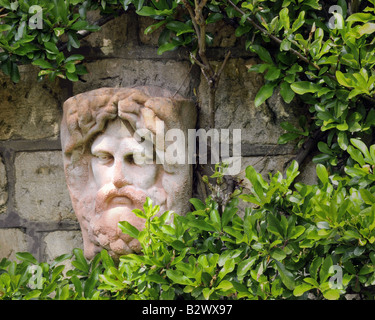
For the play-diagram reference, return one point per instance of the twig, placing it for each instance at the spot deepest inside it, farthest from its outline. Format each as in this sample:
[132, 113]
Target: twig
[182, 83]
[218, 74]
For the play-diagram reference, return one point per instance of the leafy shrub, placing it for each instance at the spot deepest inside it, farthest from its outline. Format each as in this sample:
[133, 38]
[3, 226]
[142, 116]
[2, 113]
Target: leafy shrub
[295, 241]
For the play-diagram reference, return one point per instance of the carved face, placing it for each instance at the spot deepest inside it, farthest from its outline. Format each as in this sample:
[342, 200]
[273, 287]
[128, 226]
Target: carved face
[122, 186]
[104, 179]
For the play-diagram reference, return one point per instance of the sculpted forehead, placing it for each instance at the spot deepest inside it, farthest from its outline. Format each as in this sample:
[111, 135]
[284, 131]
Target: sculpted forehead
[117, 137]
[86, 114]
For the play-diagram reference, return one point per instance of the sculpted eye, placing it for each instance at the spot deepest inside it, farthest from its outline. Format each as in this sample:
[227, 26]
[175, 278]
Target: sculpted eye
[104, 158]
[130, 159]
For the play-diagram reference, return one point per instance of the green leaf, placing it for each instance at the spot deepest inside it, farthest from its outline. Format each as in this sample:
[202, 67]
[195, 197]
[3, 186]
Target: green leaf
[286, 276]
[14, 73]
[244, 266]
[264, 93]
[156, 278]
[278, 254]
[228, 267]
[215, 218]
[166, 47]
[303, 87]
[284, 18]
[262, 53]
[228, 214]
[32, 294]
[356, 155]
[197, 203]
[367, 196]
[74, 57]
[224, 285]
[332, 294]
[344, 80]
[26, 256]
[179, 27]
[155, 26]
[51, 48]
[81, 262]
[5, 27]
[72, 76]
[298, 23]
[274, 226]
[90, 284]
[127, 228]
[322, 173]
[273, 73]
[178, 277]
[362, 147]
[286, 92]
[324, 270]
[367, 28]
[301, 289]
[286, 137]
[42, 63]
[73, 40]
[360, 17]
[342, 140]
[214, 17]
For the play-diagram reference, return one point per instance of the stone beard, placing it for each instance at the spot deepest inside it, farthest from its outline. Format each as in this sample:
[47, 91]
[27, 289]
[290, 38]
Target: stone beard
[105, 183]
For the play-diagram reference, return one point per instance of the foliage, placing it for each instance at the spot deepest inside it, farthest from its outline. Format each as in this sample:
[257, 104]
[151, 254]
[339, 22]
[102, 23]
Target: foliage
[319, 51]
[295, 241]
[30, 280]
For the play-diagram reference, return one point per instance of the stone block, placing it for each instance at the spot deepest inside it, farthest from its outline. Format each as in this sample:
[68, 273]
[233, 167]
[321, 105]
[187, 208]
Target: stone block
[11, 242]
[3, 187]
[151, 38]
[172, 75]
[223, 34]
[41, 193]
[57, 243]
[112, 35]
[29, 109]
[235, 107]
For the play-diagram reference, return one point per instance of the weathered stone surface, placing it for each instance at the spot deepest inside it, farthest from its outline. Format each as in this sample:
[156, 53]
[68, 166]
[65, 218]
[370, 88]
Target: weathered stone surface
[11, 242]
[58, 243]
[3, 187]
[29, 109]
[151, 38]
[223, 34]
[172, 75]
[308, 173]
[41, 193]
[235, 107]
[112, 35]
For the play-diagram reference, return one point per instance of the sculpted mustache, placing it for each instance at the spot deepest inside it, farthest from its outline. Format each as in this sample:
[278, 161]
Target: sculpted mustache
[136, 196]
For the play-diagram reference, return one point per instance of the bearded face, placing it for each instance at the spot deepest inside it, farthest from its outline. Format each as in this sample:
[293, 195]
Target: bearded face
[122, 185]
[104, 178]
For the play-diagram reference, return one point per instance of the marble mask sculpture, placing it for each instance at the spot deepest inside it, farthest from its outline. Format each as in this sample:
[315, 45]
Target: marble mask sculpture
[98, 136]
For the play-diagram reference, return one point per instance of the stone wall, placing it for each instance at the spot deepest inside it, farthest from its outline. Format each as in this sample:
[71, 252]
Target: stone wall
[35, 210]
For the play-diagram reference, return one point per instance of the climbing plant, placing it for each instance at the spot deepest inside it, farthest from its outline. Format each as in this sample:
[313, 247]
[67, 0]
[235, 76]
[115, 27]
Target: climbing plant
[319, 53]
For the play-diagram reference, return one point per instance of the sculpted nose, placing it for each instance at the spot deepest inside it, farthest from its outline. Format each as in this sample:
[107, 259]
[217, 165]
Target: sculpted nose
[120, 176]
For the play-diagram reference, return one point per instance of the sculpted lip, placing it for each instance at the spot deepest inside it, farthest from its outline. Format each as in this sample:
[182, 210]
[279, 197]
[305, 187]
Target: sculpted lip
[119, 200]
